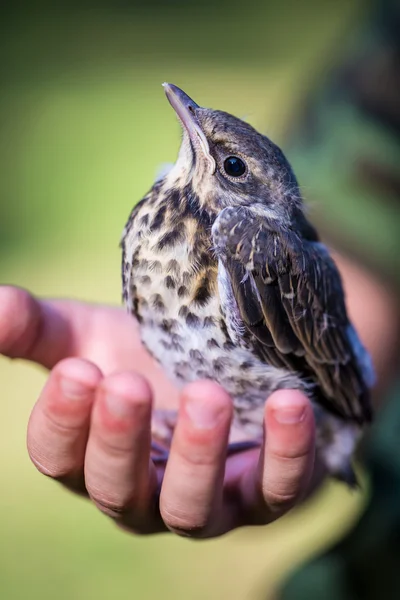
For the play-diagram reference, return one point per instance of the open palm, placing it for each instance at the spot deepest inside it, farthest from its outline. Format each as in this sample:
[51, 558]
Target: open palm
[90, 427]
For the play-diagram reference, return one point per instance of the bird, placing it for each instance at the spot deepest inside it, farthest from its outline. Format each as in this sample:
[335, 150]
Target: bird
[229, 281]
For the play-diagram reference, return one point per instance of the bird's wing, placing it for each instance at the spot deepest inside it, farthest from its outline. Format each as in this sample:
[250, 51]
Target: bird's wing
[290, 298]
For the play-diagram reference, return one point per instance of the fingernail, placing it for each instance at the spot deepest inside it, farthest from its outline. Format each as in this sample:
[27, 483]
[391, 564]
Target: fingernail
[73, 390]
[118, 407]
[290, 416]
[202, 415]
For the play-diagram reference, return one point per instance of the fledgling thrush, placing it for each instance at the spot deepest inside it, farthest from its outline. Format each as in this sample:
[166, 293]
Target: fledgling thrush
[229, 282]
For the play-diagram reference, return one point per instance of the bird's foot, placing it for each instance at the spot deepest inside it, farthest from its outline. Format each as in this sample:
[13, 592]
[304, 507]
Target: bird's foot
[236, 447]
[162, 429]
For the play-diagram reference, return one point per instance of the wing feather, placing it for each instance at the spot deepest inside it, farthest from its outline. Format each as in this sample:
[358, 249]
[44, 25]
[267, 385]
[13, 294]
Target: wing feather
[290, 297]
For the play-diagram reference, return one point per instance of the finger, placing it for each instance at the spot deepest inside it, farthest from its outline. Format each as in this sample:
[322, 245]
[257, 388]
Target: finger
[59, 423]
[287, 459]
[283, 473]
[46, 331]
[118, 474]
[191, 494]
[32, 329]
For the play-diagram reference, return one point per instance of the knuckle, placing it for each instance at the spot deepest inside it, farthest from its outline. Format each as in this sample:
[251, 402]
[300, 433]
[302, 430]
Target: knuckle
[111, 499]
[183, 523]
[283, 486]
[51, 469]
[116, 448]
[202, 458]
[279, 501]
[289, 455]
[51, 460]
[112, 507]
[63, 427]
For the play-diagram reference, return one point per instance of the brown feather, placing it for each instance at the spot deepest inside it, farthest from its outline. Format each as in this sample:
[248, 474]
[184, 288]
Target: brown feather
[290, 297]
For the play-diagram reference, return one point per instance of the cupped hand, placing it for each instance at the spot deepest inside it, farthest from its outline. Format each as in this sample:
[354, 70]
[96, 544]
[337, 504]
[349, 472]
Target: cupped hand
[90, 427]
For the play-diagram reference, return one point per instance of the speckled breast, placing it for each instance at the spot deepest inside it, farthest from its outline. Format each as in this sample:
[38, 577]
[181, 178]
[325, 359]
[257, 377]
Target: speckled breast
[173, 291]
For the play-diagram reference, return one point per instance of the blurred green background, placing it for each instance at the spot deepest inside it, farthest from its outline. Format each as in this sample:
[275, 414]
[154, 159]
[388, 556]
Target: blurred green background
[84, 129]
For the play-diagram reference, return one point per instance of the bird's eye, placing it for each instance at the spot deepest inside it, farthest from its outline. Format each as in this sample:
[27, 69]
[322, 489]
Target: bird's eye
[234, 166]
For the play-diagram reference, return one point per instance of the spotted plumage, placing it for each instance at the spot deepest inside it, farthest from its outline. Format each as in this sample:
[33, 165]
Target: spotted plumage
[229, 282]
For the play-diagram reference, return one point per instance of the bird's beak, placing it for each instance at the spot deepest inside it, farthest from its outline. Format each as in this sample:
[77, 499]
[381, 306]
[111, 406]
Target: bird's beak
[185, 108]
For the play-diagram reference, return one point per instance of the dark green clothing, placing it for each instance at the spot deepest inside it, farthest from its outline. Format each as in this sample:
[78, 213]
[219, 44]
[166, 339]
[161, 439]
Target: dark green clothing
[346, 146]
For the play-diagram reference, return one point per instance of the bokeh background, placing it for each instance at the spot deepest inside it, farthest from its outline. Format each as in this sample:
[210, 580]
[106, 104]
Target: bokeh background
[84, 129]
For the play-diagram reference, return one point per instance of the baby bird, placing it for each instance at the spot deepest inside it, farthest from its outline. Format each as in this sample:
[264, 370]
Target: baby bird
[229, 282]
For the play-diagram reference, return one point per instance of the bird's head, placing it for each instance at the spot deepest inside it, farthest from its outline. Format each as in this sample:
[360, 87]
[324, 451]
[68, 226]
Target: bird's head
[227, 162]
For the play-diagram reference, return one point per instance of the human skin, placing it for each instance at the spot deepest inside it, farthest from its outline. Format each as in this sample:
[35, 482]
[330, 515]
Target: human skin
[90, 427]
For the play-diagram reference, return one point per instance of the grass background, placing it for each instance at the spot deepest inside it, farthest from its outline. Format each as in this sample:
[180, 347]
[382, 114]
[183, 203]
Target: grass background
[84, 128]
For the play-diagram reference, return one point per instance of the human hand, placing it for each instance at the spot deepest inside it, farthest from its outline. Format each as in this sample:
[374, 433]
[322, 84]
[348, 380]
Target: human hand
[90, 428]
